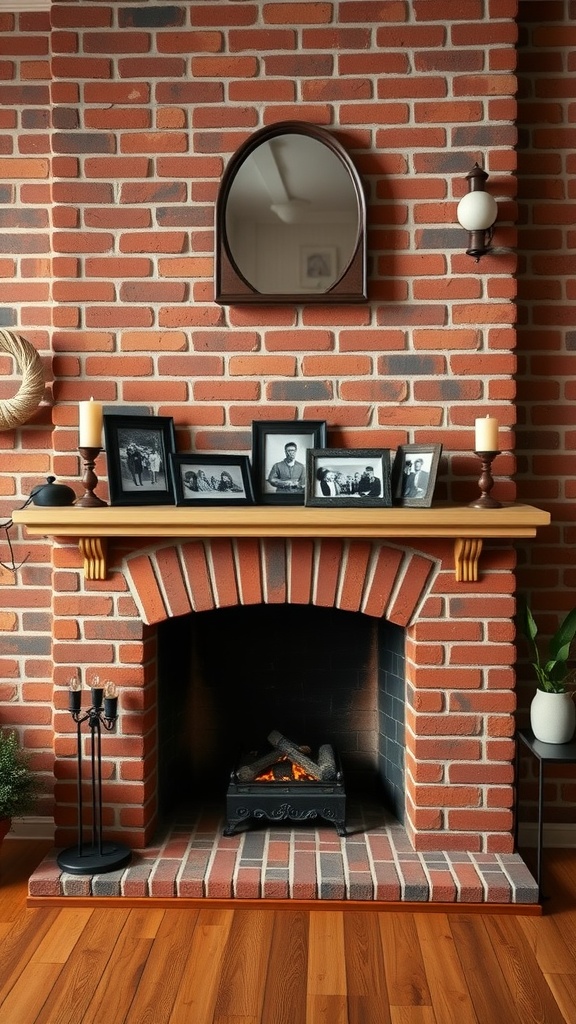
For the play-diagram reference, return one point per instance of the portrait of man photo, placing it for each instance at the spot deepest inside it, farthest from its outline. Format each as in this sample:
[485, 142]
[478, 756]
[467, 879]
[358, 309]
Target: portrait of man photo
[288, 475]
[280, 451]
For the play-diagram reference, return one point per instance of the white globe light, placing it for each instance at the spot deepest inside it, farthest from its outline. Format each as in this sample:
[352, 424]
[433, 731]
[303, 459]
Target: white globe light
[477, 211]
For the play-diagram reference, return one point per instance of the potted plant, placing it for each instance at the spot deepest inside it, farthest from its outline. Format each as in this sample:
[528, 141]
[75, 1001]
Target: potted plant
[552, 711]
[18, 785]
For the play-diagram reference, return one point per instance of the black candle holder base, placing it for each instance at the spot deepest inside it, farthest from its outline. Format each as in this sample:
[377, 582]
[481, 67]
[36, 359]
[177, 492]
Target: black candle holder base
[94, 860]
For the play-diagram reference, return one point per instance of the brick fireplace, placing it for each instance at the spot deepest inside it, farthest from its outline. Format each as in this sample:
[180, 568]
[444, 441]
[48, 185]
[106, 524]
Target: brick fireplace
[459, 639]
[457, 744]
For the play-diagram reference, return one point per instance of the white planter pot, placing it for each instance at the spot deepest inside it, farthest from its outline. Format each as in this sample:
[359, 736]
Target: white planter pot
[553, 717]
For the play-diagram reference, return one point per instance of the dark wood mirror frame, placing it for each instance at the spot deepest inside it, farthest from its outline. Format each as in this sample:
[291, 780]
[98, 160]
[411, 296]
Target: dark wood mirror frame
[231, 285]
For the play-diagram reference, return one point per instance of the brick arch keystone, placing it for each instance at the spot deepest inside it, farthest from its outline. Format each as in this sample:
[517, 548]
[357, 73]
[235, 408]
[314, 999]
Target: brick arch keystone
[373, 578]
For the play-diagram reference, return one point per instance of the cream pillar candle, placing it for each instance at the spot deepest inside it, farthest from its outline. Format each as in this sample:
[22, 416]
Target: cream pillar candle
[90, 425]
[486, 436]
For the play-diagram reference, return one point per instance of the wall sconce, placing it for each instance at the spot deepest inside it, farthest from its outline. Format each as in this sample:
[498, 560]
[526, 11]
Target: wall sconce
[477, 212]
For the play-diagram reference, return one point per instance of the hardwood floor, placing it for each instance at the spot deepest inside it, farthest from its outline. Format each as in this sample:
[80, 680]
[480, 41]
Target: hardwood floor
[261, 966]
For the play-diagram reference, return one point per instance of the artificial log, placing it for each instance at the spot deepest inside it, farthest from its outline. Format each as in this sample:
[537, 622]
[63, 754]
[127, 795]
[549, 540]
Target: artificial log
[327, 763]
[248, 772]
[295, 754]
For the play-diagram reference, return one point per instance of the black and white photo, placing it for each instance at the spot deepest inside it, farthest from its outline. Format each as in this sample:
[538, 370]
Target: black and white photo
[414, 474]
[317, 265]
[212, 479]
[279, 458]
[348, 477]
[138, 450]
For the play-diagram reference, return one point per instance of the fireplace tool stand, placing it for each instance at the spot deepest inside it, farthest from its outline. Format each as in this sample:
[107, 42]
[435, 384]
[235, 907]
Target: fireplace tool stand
[97, 856]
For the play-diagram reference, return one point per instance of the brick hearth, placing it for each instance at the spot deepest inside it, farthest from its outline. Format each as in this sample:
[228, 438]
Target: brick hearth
[376, 862]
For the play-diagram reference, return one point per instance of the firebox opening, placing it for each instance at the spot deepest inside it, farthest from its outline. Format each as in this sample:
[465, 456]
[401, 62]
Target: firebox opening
[228, 677]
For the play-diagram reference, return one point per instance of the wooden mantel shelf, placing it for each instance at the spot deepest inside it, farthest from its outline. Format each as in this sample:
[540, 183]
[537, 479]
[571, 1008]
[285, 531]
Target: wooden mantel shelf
[467, 526]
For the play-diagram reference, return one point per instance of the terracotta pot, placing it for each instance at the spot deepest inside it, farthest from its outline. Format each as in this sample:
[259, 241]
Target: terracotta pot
[553, 717]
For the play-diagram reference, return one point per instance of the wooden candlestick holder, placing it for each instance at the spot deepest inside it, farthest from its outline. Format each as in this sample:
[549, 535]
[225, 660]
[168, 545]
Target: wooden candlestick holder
[486, 482]
[89, 480]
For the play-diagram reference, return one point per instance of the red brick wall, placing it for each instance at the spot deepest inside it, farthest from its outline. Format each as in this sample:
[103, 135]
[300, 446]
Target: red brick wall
[145, 122]
[26, 687]
[546, 432]
[145, 116]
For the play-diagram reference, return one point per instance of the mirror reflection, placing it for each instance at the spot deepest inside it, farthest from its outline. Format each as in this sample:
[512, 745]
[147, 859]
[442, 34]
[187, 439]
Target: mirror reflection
[291, 216]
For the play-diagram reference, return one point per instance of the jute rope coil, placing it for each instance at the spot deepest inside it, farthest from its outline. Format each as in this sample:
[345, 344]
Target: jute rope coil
[16, 410]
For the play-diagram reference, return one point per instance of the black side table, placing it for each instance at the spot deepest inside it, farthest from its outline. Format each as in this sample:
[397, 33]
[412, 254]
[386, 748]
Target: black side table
[546, 753]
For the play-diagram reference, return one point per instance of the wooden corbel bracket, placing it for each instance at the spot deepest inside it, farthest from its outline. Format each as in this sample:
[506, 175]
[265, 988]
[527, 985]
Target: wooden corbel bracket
[94, 551]
[467, 553]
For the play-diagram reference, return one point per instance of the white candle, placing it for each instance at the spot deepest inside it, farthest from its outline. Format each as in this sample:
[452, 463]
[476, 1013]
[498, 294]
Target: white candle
[486, 434]
[90, 425]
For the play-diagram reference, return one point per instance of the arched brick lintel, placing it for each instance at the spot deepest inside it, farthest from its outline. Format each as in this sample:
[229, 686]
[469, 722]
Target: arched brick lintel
[373, 578]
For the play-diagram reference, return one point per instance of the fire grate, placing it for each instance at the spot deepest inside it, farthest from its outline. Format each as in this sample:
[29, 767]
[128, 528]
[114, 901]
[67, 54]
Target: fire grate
[286, 784]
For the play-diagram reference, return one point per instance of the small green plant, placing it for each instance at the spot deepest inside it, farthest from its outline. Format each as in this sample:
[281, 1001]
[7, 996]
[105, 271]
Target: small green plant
[554, 674]
[18, 785]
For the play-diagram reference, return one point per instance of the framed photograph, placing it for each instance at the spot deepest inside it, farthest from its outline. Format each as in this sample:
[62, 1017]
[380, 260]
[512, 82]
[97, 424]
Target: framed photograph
[414, 474]
[212, 479]
[138, 450]
[318, 265]
[279, 458]
[350, 477]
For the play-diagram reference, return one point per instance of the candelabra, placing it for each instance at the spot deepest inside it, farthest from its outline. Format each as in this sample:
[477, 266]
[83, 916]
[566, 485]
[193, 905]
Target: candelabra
[96, 856]
[89, 480]
[486, 482]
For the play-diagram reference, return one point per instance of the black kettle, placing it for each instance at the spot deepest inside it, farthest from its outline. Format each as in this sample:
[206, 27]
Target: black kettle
[52, 493]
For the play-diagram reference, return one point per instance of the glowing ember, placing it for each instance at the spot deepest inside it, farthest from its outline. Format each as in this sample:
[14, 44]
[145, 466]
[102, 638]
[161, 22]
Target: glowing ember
[284, 771]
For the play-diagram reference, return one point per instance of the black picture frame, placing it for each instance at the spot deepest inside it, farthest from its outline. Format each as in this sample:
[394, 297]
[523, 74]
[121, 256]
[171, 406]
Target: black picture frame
[405, 459]
[270, 438]
[137, 481]
[201, 480]
[357, 477]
